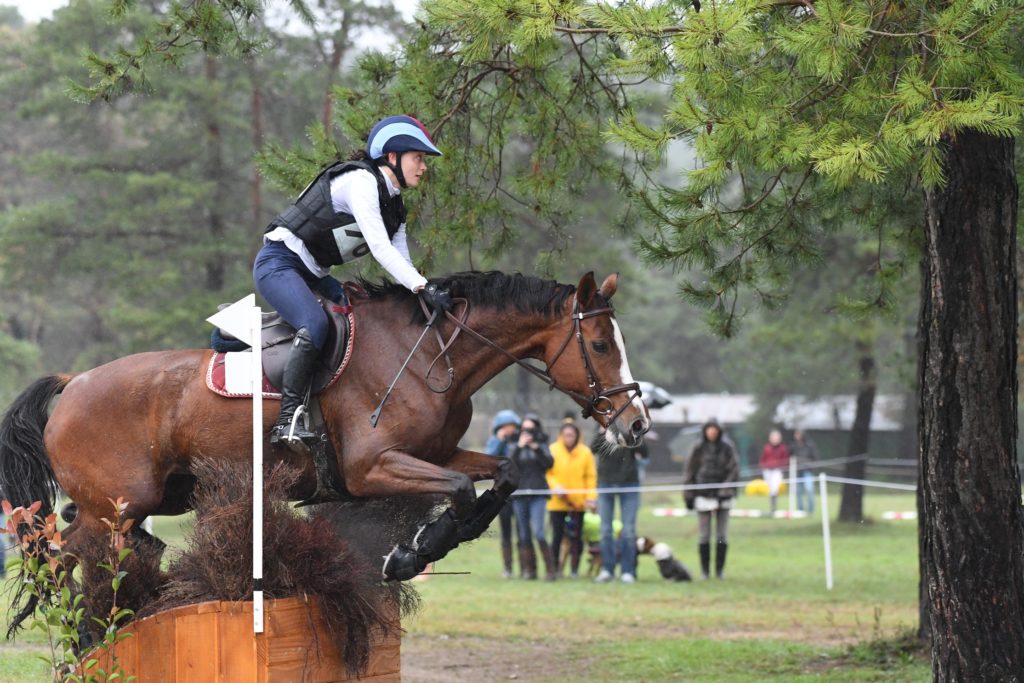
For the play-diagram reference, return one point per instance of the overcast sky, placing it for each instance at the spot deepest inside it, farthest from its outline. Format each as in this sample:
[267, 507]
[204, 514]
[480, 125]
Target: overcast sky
[34, 10]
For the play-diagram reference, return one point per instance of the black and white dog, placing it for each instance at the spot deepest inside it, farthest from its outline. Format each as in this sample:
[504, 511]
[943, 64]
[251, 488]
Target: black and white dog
[671, 569]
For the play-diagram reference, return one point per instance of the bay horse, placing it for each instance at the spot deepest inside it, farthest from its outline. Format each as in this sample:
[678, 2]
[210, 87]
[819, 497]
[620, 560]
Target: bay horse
[131, 427]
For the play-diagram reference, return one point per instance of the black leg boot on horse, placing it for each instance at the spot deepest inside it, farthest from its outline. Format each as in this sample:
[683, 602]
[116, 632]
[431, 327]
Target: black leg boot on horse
[444, 534]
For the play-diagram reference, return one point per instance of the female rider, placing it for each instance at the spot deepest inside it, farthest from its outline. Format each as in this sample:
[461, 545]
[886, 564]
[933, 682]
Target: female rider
[352, 208]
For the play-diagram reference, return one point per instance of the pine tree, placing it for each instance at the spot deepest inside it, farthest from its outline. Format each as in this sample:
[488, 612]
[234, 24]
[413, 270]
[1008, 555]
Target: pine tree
[798, 110]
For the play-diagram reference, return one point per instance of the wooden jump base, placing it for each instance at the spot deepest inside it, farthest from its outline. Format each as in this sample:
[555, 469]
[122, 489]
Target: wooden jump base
[213, 642]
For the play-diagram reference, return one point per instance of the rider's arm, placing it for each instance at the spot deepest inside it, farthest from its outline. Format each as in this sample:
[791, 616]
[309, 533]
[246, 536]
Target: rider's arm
[365, 206]
[401, 243]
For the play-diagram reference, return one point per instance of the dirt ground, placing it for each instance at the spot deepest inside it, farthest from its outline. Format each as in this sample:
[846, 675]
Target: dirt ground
[437, 659]
[442, 659]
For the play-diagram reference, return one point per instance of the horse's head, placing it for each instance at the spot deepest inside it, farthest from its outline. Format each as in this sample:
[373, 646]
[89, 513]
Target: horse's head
[590, 362]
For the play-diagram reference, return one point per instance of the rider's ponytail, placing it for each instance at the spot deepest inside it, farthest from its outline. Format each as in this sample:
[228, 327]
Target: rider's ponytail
[359, 155]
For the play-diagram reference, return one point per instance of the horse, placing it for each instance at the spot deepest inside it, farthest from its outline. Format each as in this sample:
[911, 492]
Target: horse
[130, 428]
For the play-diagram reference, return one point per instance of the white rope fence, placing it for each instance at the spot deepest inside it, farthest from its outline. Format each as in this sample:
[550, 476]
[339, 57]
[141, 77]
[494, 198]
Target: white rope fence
[792, 481]
[652, 488]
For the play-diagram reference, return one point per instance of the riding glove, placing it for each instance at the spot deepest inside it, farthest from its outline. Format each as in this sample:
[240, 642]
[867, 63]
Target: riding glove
[438, 299]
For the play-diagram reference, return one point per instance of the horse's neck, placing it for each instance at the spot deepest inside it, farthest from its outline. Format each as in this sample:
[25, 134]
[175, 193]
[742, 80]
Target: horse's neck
[522, 335]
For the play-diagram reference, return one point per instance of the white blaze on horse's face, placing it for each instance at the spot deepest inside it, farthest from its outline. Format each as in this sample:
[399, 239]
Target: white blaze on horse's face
[625, 377]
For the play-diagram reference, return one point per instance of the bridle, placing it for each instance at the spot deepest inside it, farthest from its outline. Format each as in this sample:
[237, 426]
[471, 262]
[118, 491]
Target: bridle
[598, 401]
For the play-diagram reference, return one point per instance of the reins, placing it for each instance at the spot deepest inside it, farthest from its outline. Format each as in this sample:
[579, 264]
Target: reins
[598, 395]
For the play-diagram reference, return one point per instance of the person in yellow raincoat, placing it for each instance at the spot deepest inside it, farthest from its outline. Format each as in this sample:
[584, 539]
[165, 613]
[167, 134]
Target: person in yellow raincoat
[573, 483]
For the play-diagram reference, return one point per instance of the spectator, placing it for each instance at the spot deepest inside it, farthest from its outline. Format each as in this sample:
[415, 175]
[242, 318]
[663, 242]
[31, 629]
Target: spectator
[806, 455]
[774, 461]
[3, 547]
[532, 457]
[617, 467]
[572, 479]
[504, 432]
[712, 461]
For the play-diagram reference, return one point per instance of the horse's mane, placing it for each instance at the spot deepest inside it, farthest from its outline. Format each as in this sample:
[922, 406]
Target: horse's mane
[492, 289]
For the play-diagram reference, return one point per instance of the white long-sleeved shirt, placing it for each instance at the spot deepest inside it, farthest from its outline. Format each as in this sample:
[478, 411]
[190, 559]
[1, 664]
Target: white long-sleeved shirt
[355, 193]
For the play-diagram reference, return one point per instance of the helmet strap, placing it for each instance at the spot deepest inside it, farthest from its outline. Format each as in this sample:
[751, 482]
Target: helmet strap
[396, 168]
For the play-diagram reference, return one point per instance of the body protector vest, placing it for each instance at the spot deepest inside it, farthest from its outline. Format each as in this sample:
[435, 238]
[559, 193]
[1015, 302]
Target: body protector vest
[334, 237]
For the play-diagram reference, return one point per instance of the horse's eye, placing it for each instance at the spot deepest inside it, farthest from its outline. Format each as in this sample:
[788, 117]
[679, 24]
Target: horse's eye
[599, 346]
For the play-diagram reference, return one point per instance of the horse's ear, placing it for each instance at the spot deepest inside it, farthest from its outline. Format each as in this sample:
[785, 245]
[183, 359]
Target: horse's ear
[585, 290]
[608, 287]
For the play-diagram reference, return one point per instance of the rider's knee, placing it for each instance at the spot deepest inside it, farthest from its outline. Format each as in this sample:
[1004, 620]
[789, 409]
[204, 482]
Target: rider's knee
[316, 325]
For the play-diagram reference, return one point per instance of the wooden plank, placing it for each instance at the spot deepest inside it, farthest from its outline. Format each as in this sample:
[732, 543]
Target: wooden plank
[197, 649]
[213, 642]
[155, 636]
[297, 650]
[237, 660]
[385, 657]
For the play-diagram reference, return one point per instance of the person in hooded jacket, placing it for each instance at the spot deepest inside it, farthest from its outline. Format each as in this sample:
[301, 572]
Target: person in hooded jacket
[504, 432]
[532, 457]
[712, 461]
[572, 481]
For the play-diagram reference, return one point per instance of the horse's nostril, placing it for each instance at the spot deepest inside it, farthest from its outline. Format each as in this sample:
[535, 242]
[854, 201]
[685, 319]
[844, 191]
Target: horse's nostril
[638, 427]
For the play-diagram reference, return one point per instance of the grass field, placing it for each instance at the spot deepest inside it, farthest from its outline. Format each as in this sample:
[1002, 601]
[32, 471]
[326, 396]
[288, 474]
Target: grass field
[771, 619]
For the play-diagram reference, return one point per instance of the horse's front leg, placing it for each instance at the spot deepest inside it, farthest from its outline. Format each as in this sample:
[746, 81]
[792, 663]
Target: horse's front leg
[436, 539]
[398, 473]
[479, 466]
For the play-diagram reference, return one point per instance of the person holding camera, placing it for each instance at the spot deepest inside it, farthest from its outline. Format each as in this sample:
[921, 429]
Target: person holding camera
[504, 434]
[532, 457]
[712, 461]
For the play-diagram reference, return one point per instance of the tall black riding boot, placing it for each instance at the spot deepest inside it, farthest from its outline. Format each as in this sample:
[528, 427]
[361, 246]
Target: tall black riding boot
[298, 373]
[506, 559]
[550, 567]
[705, 560]
[527, 562]
[720, 551]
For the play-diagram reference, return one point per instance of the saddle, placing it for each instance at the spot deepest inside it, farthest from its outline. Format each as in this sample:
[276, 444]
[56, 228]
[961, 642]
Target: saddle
[276, 337]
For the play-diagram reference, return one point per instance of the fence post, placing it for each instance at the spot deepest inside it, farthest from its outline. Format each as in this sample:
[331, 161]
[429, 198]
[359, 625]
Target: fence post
[244, 320]
[823, 482]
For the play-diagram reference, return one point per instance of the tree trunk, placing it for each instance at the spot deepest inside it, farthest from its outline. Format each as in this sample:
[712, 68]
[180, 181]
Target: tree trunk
[851, 507]
[913, 445]
[339, 46]
[973, 547]
[256, 109]
[216, 177]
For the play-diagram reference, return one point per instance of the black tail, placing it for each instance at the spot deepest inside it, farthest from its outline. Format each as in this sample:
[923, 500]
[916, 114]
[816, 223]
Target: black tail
[25, 471]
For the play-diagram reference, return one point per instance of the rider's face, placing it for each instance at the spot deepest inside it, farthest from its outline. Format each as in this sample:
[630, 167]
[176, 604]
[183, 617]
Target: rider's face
[414, 165]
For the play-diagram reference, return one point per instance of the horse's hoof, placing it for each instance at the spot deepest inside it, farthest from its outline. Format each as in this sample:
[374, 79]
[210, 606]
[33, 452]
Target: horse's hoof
[401, 564]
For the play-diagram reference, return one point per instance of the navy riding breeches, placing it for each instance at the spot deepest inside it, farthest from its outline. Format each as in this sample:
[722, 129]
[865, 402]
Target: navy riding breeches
[284, 281]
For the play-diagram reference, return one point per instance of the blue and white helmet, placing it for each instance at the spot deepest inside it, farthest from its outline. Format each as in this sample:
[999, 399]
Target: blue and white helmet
[399, 134]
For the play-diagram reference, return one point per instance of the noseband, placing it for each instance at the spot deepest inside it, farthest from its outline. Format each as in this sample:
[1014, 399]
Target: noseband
[598, 401]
